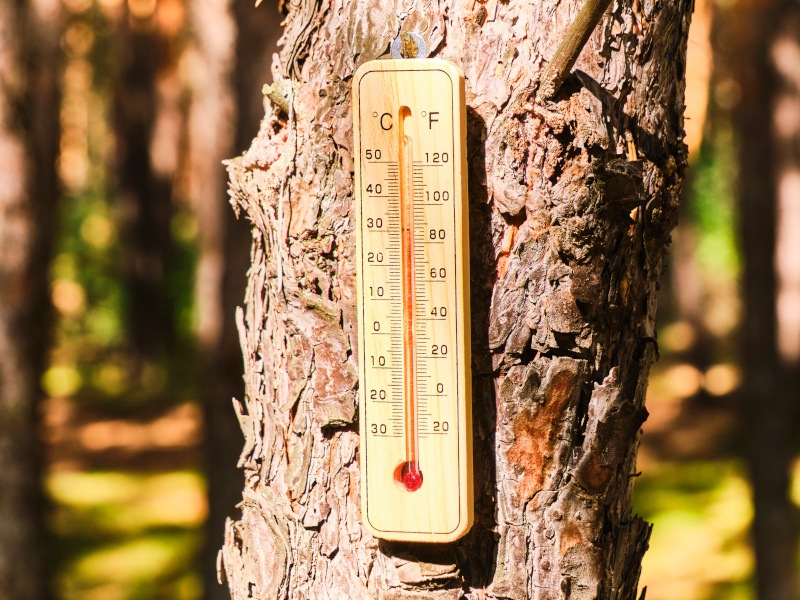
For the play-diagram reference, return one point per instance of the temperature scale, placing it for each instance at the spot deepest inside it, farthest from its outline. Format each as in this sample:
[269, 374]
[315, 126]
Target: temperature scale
[413, 303]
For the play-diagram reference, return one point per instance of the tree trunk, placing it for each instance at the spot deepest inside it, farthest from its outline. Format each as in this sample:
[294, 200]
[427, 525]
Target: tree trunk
[235, 43]
[210, 142]
[147, 126]
[29, 126]
[567, 235]
[767, 41]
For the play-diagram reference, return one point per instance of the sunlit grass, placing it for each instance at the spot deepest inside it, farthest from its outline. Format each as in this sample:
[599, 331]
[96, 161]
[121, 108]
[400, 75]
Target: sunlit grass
[124, 503]
[128, 536]
[700, 512]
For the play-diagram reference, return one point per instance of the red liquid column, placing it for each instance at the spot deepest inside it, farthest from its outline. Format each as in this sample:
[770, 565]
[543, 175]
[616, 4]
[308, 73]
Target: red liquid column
[410, 473]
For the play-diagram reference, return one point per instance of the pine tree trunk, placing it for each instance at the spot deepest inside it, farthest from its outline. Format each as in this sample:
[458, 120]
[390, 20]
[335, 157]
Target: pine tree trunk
[567, 238]
[145, 101]
[235, 43]
[767, 41]
[29, 136]
[210, 142]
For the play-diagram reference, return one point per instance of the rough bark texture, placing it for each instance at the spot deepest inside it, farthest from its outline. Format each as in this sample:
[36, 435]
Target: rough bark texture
[766, 68]
[567, 237]
[29, 83]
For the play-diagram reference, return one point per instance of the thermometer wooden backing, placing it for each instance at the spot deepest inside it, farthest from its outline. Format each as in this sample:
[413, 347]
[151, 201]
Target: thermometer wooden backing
[413, 304]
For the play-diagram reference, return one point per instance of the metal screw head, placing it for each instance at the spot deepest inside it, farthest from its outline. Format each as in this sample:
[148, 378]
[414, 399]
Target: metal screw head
[401, 44]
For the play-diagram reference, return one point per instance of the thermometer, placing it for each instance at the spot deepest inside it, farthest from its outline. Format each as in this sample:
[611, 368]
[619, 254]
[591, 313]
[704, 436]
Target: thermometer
[413, 305]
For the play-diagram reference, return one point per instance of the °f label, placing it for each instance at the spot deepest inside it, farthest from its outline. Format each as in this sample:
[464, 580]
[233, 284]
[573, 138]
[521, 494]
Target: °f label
[413, 304]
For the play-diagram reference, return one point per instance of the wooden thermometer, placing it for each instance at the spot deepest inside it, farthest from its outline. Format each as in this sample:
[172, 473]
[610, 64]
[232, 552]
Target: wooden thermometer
[413, 303]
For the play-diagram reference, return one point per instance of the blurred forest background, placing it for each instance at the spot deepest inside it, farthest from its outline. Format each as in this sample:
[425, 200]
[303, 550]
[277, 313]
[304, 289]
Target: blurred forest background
[121, 264]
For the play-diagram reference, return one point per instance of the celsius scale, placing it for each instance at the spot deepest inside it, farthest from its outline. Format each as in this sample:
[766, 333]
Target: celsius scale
[413, 300]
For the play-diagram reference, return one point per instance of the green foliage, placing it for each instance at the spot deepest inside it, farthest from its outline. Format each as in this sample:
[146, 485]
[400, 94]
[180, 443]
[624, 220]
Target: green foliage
[89, 354]
[712, 205]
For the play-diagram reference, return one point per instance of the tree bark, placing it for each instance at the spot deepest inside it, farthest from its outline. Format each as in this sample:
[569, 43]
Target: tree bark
[29, 136]
[768, 168]
[568, 231]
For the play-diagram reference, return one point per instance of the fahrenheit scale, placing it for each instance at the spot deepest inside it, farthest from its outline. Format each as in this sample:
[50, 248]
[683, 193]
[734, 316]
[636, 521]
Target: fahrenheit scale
[413, 303]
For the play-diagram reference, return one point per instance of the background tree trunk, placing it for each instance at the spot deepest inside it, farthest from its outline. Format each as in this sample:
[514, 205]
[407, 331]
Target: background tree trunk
[29, 137]
[567, 235]
[768, 40]
[210, 142]
[146, 100]
[235, 43]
